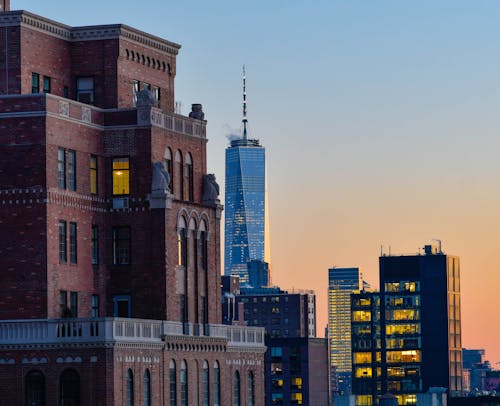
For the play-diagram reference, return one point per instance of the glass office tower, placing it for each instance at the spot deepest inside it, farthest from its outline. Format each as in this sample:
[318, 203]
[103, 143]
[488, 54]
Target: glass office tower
[245, 212]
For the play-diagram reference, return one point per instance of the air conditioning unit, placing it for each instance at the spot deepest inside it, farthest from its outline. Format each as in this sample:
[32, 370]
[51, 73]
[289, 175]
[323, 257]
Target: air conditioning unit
[120, 203]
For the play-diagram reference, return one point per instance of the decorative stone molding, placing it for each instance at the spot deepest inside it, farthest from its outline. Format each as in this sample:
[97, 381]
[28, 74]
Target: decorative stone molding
[64, 108]
[86, 114]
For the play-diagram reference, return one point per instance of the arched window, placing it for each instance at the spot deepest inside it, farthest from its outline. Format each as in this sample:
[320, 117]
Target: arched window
[216, 384]
[184, 384]
[206, 384]
[69, 387]
[251, 389]
[181, 242]
[179, 176]
[169, 166]
[189, 179]
[237, 389]
[147, 388]
[130, 388]
[173, 384]
[34, 384]
[203, 266]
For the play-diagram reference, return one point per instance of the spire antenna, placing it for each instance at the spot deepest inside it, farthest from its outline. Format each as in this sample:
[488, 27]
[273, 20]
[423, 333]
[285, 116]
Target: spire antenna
[245, 120]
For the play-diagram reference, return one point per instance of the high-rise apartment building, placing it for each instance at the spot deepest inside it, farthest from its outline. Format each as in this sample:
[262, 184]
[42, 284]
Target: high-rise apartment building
[109, 228]
[341, 283]
[245, 204]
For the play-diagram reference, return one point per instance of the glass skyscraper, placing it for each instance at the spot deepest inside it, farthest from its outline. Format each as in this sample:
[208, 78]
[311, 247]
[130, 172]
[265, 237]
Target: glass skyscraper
[245, 212]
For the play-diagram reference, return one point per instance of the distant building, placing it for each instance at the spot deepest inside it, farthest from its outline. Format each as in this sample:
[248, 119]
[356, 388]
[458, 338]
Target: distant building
[258, 273]
[341, 283]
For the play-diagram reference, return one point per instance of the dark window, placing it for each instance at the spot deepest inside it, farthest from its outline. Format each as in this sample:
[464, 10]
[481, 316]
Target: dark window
[130, 388]
[72, 243]
[63, 249]
[95, 305]
[121, 176]
[216, 384]
[61, 168]
[169, 166]
[46, 84]
[203, 250]
[251, 389]
[173, 384]
[179, 176]
[74, 304]
[69, 388]
[189, 180]
[206, 385]
[71, 170]
[66, 92]
[184, 384]
[35, 83]
[156, 95]
[85, 90]
[237, 389]
[121, 245]
[121, 306]
[94, 188]
[95, 245]
[35, 389]
[63, 303]
[147, 388]
[184, 313]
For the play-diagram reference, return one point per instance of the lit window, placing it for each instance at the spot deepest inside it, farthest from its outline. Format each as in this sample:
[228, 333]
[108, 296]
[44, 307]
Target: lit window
[363, 372]
[182, 247]
[121, 176]
[93, 175]
[72, 243]
[361, 315]
[85, 90]
[46, 84]
[362, 357]
[121, 245]
[35, 83]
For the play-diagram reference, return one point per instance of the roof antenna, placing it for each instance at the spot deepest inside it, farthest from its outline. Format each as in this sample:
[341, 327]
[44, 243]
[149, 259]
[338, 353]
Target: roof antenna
[245, 121]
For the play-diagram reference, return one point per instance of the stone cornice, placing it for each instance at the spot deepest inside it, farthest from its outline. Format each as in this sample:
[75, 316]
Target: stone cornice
[86, 33]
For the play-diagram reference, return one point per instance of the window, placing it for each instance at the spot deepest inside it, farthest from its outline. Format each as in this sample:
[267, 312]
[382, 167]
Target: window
[179, 176]
[63, 250]
[251, 389]
[203, 247]
[95, 306]
[35, 83]
[206, 386]
[130, 388]
[72, 243]
[74, 304]
[46, 84]
[237, 389]
[363, 372]
[156, 95]
[147, 388]
[136, 87]
[216, 384]
[169, 166]
[35, 388]
[182, 247]
[66, 92]
[95, 245]
[189, 180]
[184, 384]
[85, 90]
[63, 303]
[173, 384]
[121, 245]
[362, 357]
[93, 175]
[121, 306]
[121, 176]
[61, 168]
[69, 388]
[276, 352]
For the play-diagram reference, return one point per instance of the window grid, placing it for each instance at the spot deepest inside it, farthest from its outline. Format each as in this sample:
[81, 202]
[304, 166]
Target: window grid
[72, 243]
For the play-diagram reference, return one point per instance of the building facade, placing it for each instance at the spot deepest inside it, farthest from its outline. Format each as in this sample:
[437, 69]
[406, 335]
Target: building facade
[341, 283]
[110, 228]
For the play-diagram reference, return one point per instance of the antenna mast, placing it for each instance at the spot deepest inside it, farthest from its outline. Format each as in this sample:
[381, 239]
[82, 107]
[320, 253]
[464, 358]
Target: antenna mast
[245, 121]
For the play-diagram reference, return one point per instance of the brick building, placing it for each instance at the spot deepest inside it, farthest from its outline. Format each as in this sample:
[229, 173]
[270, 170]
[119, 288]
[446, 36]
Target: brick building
[109, 228]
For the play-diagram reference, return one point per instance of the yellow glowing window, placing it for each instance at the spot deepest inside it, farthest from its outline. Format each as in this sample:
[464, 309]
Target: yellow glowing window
[297, 396]
[364, 400]
[362, 357]
[297, 381]
[361, 315]
[395, 371]
[121, 176]
[402, 329]
[403, 356]
[403, 314]
[363, 372]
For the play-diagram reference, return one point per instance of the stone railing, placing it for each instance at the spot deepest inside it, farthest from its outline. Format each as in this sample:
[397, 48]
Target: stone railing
[51, 331]
[173, 122]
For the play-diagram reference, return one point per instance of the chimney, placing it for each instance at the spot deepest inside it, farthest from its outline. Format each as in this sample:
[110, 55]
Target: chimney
[4, 6]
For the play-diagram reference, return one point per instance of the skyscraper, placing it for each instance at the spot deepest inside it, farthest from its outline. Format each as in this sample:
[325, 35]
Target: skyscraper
[245, 214]
[341, 283]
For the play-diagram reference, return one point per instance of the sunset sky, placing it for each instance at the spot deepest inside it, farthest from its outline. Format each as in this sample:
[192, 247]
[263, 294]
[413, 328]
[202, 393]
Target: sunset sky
[380, 120]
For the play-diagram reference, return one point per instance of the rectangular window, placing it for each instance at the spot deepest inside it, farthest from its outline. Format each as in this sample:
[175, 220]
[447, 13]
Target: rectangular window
[121, 306]
[93, 175]
[74, 304]
[156, 95]
[46, 84]
[61, 168]
[66, 92]
[121, 245]
[85, 90]
[95, 306]
[71, 170]
[136, 87]
[121, 176]
[63, 251]
[63, 302]
[72, 243]
[95, 245]
[35, 83]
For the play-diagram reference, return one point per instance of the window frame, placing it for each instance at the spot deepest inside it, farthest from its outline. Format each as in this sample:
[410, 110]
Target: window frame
[80, 91]
[94, 306]
[121, 243]
[61, 168]
[94, 244]
[73, 242]
[35, 78]
[114, 172]
[47, 84]
[63, 243]
[74, 304]
[93, 175]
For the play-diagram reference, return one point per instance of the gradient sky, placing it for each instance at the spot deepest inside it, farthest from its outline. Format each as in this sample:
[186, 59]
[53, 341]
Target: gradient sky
[380, 120]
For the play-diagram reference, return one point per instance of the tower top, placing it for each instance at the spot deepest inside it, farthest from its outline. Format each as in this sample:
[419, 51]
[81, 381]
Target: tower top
[245, 120]
[4, 6]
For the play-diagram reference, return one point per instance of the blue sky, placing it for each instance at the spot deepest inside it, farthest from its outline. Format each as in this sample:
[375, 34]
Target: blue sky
[380, 120]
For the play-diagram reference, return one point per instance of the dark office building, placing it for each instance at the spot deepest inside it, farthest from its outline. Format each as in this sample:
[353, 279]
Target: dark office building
[258, 273]
[296, 371]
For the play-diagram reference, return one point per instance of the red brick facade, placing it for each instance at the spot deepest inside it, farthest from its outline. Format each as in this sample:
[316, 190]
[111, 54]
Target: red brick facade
[73, 245]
